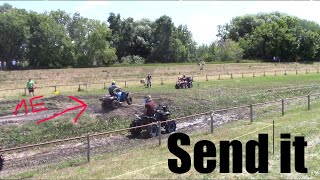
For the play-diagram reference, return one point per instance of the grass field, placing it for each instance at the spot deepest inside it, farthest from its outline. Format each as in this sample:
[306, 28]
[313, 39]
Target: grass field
[204, 96]
[151, 162]
[95, 77]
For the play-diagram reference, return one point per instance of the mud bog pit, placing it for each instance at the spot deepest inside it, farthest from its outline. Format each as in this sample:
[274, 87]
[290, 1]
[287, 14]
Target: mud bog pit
[31, 159]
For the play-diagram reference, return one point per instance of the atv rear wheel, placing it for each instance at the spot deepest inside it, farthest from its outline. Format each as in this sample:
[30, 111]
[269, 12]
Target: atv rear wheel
[152, 131]
[170, 127]
[115, 104]
[177, 86]
[136, 131]
[104, 105]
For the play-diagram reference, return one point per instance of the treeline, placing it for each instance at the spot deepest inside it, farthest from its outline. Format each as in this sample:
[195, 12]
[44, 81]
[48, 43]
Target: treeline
[263, 36]
[57, 39]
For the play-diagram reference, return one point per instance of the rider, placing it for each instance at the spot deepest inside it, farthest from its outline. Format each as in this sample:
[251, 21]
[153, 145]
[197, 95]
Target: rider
[149, 108]
[112, 88]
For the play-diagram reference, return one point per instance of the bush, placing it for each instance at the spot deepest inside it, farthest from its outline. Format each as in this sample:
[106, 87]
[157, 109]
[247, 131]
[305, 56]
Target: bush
[228, 51]
[132, 60]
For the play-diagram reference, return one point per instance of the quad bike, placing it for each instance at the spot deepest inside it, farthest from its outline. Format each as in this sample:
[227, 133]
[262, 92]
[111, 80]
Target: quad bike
[113, 101]
[184, 83]
[162, 114]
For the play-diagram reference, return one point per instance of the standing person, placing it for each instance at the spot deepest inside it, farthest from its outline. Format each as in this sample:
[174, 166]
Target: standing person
[14, 62]
[4, 65]
[30, 86]
[149, 80]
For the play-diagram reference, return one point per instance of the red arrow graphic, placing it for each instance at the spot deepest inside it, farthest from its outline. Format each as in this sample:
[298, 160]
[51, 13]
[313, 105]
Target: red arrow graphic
[83, 105]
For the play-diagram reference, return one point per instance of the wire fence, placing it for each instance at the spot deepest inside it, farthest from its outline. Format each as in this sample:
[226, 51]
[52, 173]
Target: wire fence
[85, 86]
[117, 140]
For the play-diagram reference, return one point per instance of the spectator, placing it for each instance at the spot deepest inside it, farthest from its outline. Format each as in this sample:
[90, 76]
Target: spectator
[4, 65]
[149, 80]
[14, 62]
[30, 86]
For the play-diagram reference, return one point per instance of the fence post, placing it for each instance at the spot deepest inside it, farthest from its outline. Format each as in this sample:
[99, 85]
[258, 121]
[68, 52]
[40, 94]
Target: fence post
[275, 73]
[211, 121]
[264, 73]
[296, 71]
[104, 85]
[219, 77]
[125, 83]
[206, 77]
[88, 147]
[159, 131]
[55, 88]
[242, 75]
[251, 113]
[317, 70]
[285, 72]
[25, 91]
[282, 106]
[161, 81]
[308, 101]
[306, 71]
[231, 76]
[253, 75]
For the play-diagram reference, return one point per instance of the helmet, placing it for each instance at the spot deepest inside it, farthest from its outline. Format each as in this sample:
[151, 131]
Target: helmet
[147, 98]
[184, 75]
[113, 83]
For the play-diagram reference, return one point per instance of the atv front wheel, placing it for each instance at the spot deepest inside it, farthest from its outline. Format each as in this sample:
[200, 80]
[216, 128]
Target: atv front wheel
[152, 131]
[104, 105]
[129, 100]
[170, 127]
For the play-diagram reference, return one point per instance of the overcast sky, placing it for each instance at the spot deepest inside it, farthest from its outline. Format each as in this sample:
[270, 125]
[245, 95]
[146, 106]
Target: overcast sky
[201, 17]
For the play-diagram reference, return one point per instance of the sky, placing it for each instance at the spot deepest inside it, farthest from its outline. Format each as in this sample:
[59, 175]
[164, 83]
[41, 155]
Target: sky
[201, 17]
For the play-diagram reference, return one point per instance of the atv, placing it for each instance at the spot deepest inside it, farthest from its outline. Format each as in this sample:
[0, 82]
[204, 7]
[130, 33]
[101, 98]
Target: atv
[113, 101]
[162, 114]
[184, 83]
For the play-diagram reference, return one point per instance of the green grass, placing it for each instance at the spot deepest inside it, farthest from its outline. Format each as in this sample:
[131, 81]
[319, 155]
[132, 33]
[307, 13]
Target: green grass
[184, 102]
[151, 162]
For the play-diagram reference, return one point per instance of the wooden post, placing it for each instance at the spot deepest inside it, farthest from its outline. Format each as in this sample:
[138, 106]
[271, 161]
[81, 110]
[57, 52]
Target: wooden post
[253, 74]
[211, 121]
[308, 101]
[159, 132]
[251, 113]
[285, 72]
[79, 88]
[296, 71]
[25, 91]
[264, 73]
[231, 76]
[86, 86]
[275, 73]
[125, 83]
[104, 85]
[282, 106]
[88, 148]
[242, 75]
[55, 88]
[161, 81]
[306, 71]
[317, 70]
[206, 77]
[219, 77]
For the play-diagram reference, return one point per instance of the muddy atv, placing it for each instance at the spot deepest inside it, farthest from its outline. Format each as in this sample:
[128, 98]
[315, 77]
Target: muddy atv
[108, 101]
[184, 83]
[162, 114]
